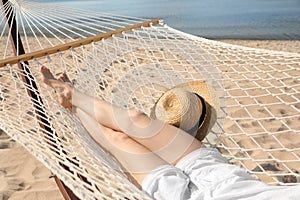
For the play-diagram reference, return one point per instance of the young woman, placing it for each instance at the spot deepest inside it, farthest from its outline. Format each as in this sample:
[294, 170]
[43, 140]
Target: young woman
[167, 161]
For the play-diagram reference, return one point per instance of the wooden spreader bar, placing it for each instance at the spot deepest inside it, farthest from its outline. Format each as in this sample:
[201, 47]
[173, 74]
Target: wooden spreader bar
[74, 44]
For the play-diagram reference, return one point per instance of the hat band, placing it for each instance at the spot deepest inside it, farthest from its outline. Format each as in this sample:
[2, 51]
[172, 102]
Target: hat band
[201, 120]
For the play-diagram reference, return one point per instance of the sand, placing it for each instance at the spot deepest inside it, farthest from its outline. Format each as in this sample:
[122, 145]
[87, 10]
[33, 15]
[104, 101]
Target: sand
[276, 45]
[23, 177]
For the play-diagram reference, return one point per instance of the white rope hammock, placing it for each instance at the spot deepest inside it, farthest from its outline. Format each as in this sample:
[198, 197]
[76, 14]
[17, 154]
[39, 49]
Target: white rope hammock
[258, 123]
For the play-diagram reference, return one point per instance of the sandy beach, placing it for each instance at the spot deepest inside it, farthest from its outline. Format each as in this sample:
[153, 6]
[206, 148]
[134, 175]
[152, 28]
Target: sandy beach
[275, 45]
[24, 177]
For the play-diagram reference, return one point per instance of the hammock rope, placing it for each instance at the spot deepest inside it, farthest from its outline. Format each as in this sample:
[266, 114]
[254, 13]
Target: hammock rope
[130, 62]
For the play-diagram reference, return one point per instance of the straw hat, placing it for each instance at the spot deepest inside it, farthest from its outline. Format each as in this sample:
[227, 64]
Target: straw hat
[191, 107]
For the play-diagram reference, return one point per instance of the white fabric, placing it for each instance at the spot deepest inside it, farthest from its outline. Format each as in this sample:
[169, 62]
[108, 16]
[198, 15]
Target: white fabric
[206, 174]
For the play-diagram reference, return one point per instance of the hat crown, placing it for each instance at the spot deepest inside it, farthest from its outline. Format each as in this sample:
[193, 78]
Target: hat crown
[180, 108]
[190, 106]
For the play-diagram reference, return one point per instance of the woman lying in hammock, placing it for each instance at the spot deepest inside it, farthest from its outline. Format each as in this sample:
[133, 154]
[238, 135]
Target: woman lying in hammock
[167, 161]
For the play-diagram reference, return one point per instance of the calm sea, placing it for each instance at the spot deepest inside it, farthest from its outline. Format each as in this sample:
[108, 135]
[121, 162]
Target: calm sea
[237, 19]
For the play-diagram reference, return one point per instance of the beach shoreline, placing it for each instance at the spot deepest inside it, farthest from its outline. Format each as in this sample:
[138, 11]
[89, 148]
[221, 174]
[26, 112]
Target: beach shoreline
[24, 177]
[292, 46]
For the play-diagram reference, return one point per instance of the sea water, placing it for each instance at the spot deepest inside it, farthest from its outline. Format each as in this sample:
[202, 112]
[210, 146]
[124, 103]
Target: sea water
[237, 19]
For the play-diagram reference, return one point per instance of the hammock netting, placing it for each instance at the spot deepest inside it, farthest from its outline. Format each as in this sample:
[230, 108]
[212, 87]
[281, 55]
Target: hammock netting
[258, 125]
